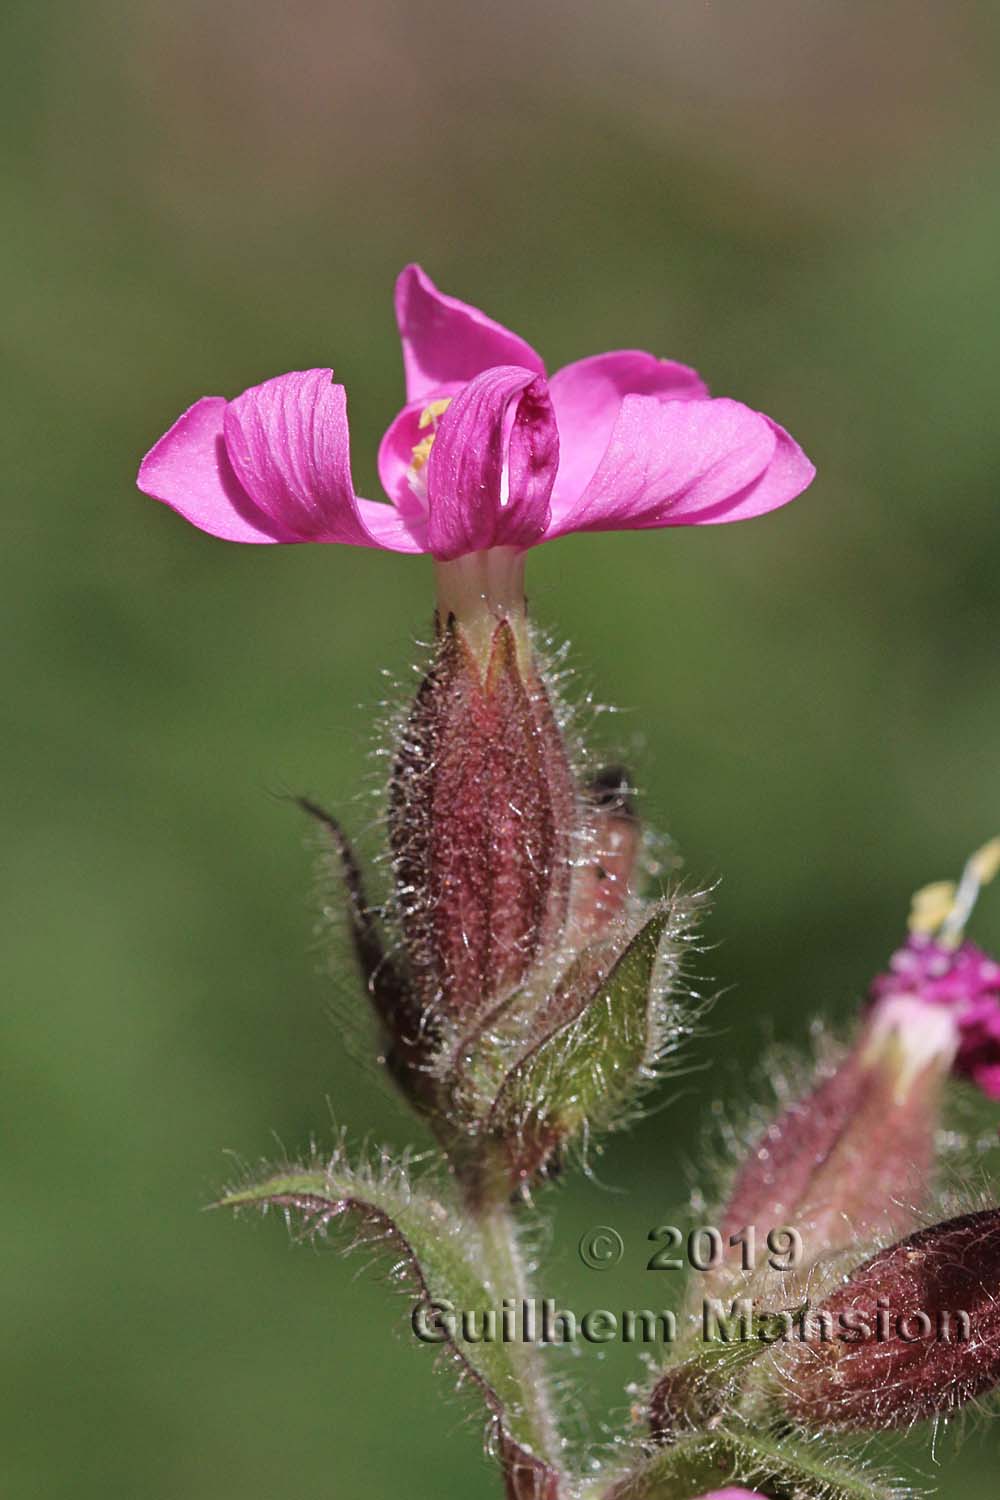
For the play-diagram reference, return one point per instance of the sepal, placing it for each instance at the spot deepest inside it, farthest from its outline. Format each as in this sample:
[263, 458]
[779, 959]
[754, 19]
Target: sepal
[587, 1067]
[693, 1393]
[748, 1455]
[481, 822]
[408, 1037]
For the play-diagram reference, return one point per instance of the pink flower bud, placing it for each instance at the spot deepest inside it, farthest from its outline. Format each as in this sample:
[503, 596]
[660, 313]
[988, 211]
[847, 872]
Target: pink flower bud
[482, 803]
[913, 1333]
[855, 1154]
[604, 881]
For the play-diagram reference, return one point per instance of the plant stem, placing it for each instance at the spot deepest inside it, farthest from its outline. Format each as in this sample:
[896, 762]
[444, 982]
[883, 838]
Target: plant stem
[507, 1275]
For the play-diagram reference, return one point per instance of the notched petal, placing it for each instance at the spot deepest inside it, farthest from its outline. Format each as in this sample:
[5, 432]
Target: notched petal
[587, 396]
[683, 463]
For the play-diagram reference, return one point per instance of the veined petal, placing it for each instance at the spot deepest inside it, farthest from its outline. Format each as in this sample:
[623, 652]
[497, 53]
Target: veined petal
[446, 341]
[683, 463]
[288, 442]
[786, 476]
[492, 465]
[189, 470]
[587, 397]
[289, 446]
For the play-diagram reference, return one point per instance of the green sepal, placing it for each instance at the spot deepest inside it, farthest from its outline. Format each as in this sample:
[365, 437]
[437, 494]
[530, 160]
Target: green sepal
[692, 1392]
[587, 1069]
[769, 1464]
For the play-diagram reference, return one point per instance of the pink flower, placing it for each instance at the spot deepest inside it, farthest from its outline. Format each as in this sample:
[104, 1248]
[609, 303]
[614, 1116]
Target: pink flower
[964, 982]
[949, 979]
[486, 453]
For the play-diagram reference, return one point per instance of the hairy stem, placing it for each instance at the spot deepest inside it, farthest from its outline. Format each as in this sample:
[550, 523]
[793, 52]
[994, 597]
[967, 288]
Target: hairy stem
[506, 1273]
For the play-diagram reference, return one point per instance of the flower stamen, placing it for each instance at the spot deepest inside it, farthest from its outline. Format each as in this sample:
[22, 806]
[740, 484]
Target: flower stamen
[421, 452]
[943, 909]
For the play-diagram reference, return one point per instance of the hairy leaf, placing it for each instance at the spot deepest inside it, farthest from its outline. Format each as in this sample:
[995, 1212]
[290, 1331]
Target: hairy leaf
[692, 1392]
[434, 1252]
[768, 1465]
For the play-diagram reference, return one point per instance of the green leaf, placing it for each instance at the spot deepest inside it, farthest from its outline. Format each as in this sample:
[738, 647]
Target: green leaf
[432, 1249]
[589, 1067]
[691, 1392]
[768, 1464]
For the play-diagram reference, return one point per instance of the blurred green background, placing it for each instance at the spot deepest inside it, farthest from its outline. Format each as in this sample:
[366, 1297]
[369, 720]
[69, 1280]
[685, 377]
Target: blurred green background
[801, 199]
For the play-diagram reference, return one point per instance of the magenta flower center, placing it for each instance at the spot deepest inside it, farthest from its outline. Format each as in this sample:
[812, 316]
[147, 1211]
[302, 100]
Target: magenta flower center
[966, 981]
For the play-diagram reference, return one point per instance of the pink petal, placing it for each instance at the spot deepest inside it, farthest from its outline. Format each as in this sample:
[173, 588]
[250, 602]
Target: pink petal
[446, 341]
[384, 527]
[683, 463]
[492, 465]
[189, 470]
[587, 398]
[289, 446]
[786, 476]
[288, 442]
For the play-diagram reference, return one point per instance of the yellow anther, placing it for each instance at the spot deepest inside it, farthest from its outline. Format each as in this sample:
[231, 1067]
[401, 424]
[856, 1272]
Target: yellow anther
[931, 906]
[985, 863]
[943, 909]
[429, 415]
[422, 453]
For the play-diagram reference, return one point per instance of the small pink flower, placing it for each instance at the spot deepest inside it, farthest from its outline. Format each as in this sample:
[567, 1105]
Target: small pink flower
[964, 982]
[939, 972]
[486, 453]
